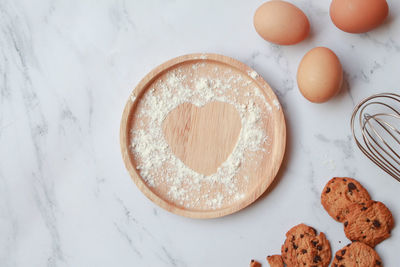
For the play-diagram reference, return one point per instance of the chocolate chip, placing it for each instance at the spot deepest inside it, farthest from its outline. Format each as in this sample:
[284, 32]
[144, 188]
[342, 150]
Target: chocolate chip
[368, 220]
[317, 258]
[304, 251]
[378, 262]
[346, 223]
[335, 265]
[341, 265]
[339, 258]
[286, 249]
[294, 246]
[364, 236]
[293, 238]
[328, 189]
[351, 187]
[343, 252]
[314, 242]
[301, 236]
[364, 208]
[338, 218]
[345, 180]
[319, 247]
[376, 223]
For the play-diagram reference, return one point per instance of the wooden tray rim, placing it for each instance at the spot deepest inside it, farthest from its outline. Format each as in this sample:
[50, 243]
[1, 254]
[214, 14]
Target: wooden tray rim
[125, 135]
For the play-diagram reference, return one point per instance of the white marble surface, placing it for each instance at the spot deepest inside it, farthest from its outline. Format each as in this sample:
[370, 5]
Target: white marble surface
[66, 70]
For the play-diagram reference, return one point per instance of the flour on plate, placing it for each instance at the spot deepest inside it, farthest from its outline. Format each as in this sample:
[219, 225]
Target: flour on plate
[157, 164]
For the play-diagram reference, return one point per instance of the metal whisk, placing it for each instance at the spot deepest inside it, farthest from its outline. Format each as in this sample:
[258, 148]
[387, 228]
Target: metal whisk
[375, 125]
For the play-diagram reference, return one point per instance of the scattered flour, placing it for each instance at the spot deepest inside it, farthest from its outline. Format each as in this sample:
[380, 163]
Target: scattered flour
[253, 74]
[157, 164]
[329, 163]
[276, 104]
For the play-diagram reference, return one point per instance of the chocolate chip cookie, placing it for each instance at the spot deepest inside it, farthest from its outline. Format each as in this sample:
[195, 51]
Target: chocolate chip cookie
[339, 193]
[275, 261]
[356, 254]
[303, 247]
[369, 222]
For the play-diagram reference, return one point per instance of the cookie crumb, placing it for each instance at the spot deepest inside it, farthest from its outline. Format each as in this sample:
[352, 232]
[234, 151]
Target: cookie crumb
[254, 263]
[275, 261]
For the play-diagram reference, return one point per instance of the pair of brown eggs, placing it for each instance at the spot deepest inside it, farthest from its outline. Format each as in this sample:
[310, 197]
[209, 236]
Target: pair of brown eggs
[320, 74]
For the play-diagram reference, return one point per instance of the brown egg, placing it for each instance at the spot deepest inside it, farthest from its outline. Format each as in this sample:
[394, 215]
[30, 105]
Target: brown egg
[357, 16]
[319, 75]
[281, 23]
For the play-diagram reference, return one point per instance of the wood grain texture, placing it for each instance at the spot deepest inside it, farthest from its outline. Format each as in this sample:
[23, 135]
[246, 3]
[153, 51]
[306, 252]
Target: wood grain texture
[264, 175]
[202, 137]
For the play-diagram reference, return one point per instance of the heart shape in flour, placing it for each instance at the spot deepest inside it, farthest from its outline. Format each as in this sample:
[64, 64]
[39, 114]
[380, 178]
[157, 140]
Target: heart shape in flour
[202, 137]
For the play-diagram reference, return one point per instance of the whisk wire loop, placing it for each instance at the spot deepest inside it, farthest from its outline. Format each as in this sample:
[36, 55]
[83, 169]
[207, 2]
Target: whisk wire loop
[377, 133]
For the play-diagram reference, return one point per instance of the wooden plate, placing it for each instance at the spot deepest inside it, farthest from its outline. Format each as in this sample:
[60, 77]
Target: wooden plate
[203, 135]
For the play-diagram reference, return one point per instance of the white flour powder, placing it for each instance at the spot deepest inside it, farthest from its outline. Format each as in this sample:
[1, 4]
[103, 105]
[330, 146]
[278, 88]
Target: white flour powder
[157, 164]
